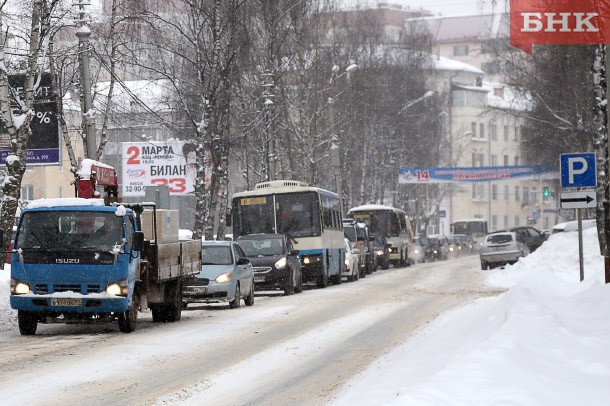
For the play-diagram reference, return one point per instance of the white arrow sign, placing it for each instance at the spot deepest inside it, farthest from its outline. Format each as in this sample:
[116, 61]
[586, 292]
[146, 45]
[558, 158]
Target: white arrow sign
[584, 199]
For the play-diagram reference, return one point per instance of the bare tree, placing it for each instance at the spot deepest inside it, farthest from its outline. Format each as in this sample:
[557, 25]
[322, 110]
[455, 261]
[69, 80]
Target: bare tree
[17, 109]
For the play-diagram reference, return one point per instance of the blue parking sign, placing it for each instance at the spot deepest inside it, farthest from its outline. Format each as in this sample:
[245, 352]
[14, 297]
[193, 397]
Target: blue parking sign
[578, 170]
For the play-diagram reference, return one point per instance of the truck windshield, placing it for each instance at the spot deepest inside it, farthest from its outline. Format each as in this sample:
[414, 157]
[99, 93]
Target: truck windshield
[69, 230]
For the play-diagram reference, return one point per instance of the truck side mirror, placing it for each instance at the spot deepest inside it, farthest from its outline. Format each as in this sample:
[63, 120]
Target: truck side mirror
[138, 241]
[228, 218]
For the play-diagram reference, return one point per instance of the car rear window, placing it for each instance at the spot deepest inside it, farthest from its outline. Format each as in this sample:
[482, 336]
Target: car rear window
[500, 239]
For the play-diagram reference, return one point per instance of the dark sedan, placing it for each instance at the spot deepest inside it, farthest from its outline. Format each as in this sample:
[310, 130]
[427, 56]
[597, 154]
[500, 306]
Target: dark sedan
[276, 263]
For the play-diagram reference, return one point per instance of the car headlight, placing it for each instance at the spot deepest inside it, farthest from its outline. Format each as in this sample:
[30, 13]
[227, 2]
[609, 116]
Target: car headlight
[19, 288]
[311, 259]
[118, 288]
[417, 251]
[380, 252]
[347, 262]
[225, 277]
[450, 248]
[281, 263]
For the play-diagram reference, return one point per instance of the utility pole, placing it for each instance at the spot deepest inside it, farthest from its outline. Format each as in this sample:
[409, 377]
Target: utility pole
[83, 34]
[268, 95]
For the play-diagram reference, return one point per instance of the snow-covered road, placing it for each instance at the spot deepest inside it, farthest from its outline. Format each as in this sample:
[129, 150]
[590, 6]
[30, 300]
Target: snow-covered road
[284, 350]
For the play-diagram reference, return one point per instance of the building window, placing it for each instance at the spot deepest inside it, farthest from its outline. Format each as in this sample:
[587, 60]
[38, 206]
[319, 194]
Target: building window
[517, 134]
[61, 191]
[494, 192]
[516, 161]
[27, 193]
[493, 129]
[526, 195]
[460, 50]
[517, 221]
[482, 191]
[474, 191]
[506, 222]
[506, 131]
[492, 67]
[505, 160]
[517, 193]
[494, 160]
[473, 128]
[506, 193]
[494, 222]
[481, 130]
[481, 159]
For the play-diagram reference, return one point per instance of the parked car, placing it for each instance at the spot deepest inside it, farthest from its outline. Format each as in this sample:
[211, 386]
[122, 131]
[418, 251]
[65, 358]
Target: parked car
[276, 263]
[352, 259]
[358, 237]
[381, 250]
[437, 249]
[501, 248]
[530, 236]
[226, 276]
[418, 248]
[573, 226]
[364, 243]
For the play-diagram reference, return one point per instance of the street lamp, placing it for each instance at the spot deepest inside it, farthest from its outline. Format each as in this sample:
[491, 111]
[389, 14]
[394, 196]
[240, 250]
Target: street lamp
[426, 95]
[335, 151]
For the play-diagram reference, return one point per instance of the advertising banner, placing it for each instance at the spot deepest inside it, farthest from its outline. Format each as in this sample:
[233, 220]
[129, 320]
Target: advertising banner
[553, 22]
[479, 174]
[43, 144]
[158, 163]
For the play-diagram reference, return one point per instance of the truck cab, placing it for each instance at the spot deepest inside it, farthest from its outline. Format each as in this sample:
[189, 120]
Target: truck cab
[73, 258]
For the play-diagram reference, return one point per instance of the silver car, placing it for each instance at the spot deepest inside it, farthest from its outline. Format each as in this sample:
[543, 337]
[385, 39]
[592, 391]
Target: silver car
[501, 248]
[226, 276]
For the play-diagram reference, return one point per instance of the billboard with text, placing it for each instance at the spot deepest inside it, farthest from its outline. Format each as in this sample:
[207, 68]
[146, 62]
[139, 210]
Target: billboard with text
[158, 163]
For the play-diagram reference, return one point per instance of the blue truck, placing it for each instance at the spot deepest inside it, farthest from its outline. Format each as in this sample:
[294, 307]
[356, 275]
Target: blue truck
[83, 260]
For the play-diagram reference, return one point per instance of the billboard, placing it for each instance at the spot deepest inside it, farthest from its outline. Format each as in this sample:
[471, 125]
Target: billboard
[43, 144]
[158, 163]
[477, 174]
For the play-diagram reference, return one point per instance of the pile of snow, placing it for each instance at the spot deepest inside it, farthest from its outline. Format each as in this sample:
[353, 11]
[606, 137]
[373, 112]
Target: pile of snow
[8, 316]
[543, 342]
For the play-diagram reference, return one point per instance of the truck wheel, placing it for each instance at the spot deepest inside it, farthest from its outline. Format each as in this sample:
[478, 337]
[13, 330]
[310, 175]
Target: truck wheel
[172, 308]
[158, 313]
[28, 322]
[299, 287]
[173, 313]
[249, 300]
[322, 281]
[289, 284]
[235, 303]
[127, 320]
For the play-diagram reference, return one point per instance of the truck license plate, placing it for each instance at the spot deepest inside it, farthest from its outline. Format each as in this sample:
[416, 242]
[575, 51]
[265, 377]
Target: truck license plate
[66, 302]
[259, 278]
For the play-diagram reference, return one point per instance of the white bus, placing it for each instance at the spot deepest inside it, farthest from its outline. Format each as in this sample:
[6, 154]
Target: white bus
[389, 222]
[311, 216]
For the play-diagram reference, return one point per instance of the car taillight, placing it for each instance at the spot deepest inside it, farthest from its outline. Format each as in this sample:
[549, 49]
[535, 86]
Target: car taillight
[7, 260]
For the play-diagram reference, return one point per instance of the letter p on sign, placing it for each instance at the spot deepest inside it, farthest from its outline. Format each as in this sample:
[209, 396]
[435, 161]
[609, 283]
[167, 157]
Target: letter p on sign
[578, 170]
